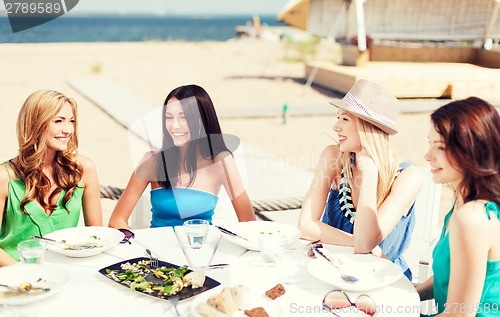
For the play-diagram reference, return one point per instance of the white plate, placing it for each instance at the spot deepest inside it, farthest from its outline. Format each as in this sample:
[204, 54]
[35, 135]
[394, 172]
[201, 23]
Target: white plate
[107, 237]
[252, 230]
[257, 299]
[372, 272]
[36, 274]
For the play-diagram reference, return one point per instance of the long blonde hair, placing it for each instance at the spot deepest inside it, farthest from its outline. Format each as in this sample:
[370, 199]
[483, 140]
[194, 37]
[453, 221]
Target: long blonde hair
[32, 124]
[376, 144]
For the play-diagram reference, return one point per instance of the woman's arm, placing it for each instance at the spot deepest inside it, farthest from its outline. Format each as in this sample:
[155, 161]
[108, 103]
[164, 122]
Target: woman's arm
[92, 210]
[373, 224]
[235, 189]
[5, 259]
[310, 224]
[127, 202]
[471, 234]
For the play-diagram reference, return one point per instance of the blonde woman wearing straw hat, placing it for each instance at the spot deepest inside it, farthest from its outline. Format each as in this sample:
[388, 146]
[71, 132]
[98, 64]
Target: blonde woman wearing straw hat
[360, 195]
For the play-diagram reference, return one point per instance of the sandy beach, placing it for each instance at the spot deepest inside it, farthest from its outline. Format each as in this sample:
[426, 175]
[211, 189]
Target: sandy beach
[244, 74]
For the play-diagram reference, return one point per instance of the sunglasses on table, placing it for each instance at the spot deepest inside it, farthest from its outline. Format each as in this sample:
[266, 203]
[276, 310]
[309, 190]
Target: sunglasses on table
[337, 301]
[127, 235]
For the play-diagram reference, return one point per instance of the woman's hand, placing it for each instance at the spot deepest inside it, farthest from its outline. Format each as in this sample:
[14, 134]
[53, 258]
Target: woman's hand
[365, 164]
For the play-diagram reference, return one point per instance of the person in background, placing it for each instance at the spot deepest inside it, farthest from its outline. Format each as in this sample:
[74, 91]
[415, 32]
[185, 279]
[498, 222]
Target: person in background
[46, 185]
[360, 195]
[464, 151]
[187, 173]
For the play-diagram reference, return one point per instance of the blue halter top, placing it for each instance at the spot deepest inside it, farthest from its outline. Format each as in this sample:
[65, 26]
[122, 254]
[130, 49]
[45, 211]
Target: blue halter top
[173, 206]
[340, 213]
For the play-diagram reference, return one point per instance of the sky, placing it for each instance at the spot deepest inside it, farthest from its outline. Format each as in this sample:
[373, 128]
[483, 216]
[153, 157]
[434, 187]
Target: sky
[183, 7]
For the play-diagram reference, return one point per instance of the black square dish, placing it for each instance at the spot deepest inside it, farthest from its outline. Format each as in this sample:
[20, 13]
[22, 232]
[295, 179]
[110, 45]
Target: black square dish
[185, 293]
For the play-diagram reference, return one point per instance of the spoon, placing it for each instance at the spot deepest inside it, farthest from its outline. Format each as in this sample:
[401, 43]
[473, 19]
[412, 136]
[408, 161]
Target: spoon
[21, 290]
[63, 244]
[348, 278]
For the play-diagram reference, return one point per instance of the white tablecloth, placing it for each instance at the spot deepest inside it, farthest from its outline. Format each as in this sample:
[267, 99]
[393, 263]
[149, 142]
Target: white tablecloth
[91, 294]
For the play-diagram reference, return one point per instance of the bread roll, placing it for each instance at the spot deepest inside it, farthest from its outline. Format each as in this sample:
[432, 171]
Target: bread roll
[208, 311]
[194, 278]
[228, 297]
[241, 296]
[221, 304]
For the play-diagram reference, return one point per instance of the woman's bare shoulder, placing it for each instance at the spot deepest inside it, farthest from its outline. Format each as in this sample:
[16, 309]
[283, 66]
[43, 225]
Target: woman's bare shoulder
[410, 174]
[4, 175]
[7, 172]
[86, 162]
[224, 155]
[332, 151]
[473, 212]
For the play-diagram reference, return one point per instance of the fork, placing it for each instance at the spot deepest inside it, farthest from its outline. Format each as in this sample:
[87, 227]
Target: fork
[63, 244]
[153, 261]
[174, 300]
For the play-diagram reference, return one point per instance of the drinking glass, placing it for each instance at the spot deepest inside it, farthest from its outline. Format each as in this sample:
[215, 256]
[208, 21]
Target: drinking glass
[272, 247]
[32, 251]
[196, 230]
[198, 257]
[294, 264]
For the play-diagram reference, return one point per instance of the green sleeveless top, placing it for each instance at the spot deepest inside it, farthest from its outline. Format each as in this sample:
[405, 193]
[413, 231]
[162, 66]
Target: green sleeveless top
[490, 299]
[17, 226]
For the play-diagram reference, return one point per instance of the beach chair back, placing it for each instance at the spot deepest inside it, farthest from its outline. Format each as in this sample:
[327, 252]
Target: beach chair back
[141, 215]
[426, 231]
[427, 209]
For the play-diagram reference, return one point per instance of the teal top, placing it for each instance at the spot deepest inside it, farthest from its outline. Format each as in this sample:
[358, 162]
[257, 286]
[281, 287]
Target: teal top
[173, 206]
[490, 298]
[17, 226]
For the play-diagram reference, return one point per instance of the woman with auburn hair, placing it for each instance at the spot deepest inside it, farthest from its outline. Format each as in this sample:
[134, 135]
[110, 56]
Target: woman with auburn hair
[45, 186]
[366, 197]
[464, 151]
[187, 173]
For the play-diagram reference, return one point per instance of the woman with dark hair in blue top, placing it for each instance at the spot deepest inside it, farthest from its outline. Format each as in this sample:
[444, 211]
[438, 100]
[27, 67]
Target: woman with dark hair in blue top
[187, 173]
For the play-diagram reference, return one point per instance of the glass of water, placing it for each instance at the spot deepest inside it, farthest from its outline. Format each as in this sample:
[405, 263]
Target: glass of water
[199, 249]
[32, 251]
[196, 231]
[272, 247]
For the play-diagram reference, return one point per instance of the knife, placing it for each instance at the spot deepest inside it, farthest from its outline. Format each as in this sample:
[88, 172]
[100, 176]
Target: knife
[214, 266]
[224, 230]
[209, 267]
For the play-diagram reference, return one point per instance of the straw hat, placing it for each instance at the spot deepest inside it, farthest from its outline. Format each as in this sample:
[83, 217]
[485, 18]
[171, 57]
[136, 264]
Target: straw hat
[370, 102]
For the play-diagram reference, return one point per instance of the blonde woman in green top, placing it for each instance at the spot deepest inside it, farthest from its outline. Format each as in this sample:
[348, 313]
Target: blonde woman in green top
[465, 153]
[44, 187]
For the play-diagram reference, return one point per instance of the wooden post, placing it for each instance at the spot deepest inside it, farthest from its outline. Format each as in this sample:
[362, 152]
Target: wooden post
[493, 19]
[360, 21]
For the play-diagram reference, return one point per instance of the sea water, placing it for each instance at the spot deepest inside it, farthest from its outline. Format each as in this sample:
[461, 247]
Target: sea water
[116, 28]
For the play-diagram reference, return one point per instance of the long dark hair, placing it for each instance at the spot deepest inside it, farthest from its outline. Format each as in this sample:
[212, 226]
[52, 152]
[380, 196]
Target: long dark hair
[471, 132]
[206, 136]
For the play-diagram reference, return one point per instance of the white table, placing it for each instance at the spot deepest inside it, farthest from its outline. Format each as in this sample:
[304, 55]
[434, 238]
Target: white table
[91, 294]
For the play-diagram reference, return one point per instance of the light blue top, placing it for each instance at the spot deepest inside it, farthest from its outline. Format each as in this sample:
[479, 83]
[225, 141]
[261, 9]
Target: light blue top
[490, 298]
[393, 245]
[173, 206]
